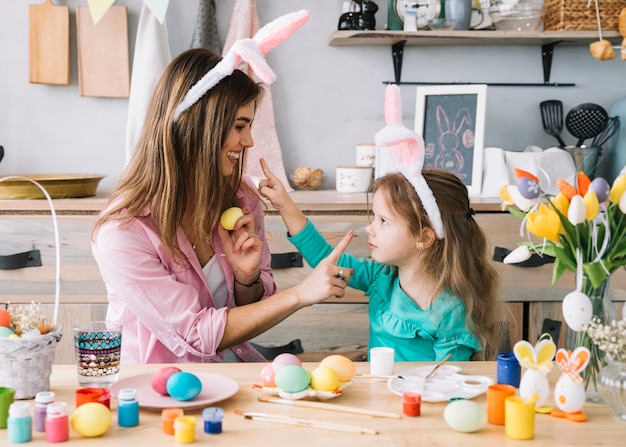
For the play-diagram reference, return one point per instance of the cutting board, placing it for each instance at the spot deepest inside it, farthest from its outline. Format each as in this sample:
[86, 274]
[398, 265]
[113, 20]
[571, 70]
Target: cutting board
[103, 62]
[49, 43]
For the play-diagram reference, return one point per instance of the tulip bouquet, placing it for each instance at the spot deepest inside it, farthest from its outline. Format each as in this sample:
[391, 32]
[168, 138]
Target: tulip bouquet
[583, 227]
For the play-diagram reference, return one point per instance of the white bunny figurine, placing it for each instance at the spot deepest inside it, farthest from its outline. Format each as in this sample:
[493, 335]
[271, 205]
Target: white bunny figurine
[538, 361]
[569, 392]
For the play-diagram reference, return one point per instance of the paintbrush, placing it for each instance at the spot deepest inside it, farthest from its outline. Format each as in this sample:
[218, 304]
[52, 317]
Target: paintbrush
[432, 371]
[300, 422]
[331, 407]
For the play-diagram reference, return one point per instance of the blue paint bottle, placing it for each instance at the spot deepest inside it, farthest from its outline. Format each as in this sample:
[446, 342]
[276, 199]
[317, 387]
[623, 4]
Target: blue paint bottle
[19, 423]
[127, 408]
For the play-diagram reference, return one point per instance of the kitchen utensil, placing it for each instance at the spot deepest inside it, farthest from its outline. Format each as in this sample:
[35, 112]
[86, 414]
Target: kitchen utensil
[1, 152]
[600, 140]
[552, 117]
[586, 120]
[103, 61]
[49, 43]
[432, 371]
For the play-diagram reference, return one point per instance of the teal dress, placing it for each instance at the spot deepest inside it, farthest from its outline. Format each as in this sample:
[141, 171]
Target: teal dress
[396, 321]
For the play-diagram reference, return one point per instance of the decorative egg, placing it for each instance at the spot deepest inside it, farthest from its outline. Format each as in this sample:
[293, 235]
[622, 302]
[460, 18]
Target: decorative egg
[292, 379]
[601, 187]
[528, 188]
[267, 376]
[5, 318]
[324, 378]
[465, 416]
[577, 310]
[229, 217]
[91, 419]
[343, 366]
[159, 379]
[285, 359]
[183, 386]
[5, 332]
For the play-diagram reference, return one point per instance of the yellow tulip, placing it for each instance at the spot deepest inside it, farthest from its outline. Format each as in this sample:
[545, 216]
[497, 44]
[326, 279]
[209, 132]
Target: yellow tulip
[618, 189]
[544, 223]
[592, 204]
[561, 203]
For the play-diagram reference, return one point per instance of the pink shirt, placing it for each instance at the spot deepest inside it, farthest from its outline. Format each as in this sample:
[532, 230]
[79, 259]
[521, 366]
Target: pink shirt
[167, 310]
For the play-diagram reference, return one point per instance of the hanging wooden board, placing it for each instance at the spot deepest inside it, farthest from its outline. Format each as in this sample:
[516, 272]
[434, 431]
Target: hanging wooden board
[49, 43]
[103, 61]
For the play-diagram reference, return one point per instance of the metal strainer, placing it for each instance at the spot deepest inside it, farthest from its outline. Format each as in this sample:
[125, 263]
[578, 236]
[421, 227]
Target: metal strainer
[586, 121]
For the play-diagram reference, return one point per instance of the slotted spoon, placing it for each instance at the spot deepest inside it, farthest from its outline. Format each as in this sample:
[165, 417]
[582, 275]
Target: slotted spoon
[552, 117]
[586, 121]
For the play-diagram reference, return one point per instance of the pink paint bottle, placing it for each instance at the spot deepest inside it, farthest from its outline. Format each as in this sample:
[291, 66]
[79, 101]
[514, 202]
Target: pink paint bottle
[57, 423]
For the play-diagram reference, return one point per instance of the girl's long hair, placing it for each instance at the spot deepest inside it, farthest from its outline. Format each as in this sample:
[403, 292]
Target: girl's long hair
[459, 262]
[176, 166]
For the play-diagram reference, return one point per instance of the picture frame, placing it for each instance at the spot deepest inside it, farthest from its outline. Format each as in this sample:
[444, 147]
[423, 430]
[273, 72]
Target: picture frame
[451, 120]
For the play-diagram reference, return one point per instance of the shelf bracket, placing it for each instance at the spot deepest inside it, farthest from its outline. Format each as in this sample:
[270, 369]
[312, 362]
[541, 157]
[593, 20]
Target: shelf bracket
[397, 51]
[547, 50]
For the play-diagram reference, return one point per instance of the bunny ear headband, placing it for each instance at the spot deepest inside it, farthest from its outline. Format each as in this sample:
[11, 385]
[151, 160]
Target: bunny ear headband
[408, 154]
[250, 51]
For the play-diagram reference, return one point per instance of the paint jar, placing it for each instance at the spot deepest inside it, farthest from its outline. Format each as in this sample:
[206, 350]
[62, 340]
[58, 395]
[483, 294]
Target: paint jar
[100, 395]
[19, 423]
[519, 418]
[213, 417]
[411, 404]
[6, 399]
[185, 429]
[168, 415]
[127, 408]
[508, 370]
[57, 422]
[42, 400]
[496, 396]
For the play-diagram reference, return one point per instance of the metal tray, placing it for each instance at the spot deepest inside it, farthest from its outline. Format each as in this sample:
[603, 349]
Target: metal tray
[59, 186]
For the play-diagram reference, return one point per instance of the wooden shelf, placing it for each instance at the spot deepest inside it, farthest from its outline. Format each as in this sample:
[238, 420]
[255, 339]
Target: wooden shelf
[386, 38]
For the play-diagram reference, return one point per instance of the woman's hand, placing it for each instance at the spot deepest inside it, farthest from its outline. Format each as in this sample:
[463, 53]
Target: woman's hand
[243, 248]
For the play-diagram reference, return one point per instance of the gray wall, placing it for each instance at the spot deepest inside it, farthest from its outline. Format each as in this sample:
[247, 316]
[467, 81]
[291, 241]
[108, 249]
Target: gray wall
[326, 98]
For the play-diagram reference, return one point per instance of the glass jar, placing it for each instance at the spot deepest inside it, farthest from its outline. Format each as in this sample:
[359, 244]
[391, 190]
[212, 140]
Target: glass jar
[612, 385]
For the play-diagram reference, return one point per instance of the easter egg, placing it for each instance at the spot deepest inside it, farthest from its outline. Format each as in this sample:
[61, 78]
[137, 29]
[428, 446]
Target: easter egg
[229, 217]
[159, 379]
[601, 187]
[292, 378]
[528, 188]
[183, 386]
[324, 378]
[5, 318]
[577, 310]
[465, 416]
[285, 359]
[91, 419]
[5, 332]
[343, 366]
[267, 376]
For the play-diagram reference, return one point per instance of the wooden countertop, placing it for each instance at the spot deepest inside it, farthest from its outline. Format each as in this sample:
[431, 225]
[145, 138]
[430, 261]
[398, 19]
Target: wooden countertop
[325, 201]
[601, 429]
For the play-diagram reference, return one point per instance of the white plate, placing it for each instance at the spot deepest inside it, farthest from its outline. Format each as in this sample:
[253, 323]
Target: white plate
[443, 386]
[215, 388]
[309, 392]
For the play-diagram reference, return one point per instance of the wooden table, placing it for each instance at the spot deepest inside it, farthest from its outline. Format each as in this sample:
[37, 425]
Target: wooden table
[601, 429]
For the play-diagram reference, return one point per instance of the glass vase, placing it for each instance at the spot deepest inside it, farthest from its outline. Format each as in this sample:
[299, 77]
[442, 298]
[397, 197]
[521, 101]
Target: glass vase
[612, 385]
[604, 309]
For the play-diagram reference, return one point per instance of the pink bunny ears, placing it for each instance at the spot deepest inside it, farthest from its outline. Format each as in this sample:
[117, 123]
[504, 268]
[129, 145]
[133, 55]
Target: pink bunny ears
[250, 51]
[408, 154]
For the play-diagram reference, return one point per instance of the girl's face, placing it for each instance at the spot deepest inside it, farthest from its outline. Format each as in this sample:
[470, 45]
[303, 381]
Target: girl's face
[238, 138]
[389, 239]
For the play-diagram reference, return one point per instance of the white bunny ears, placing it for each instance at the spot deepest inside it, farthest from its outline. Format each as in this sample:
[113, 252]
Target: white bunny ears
[250, 51]
[408, 154]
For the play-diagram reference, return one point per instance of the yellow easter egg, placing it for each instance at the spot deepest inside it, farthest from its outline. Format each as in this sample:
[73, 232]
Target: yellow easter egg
[343, 366]
[324, 379]
[91, 419]
[229, 217]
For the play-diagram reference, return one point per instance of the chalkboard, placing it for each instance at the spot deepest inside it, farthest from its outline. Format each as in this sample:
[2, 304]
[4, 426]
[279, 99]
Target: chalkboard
[451, 119]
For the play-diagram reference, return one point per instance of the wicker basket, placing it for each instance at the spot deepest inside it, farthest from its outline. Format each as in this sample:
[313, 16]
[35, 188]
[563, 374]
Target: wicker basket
[26, 362]
[575, 15]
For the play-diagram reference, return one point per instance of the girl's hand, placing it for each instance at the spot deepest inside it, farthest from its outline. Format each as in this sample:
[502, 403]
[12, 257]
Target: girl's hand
[243, 248]
[328, 279]
[272, 189]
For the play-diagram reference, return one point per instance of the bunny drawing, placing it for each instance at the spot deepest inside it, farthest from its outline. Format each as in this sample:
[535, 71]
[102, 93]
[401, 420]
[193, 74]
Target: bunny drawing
[450, 158]
[538, 361]
[569, 392]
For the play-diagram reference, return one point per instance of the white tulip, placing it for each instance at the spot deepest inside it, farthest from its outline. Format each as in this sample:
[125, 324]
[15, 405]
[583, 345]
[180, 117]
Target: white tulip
[520, 254]
[577, 212]
[622, 205]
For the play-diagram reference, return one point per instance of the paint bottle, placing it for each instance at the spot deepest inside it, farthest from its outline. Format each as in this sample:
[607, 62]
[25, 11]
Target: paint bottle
[42, 399]
[185, 429]
[19, 423]
[57, 423]
[213, 420]
[127, 408]
[168, 415]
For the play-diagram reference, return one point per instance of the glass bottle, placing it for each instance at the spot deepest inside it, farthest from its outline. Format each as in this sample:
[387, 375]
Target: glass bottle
[57, 423]
[127, 408]
[42, 399]
[19, 423]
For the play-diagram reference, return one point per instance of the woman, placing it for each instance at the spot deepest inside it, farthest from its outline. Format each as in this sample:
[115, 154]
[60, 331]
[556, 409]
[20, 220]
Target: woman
[186, 289]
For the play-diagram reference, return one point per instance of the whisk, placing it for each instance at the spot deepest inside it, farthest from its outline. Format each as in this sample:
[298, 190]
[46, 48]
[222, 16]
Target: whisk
[611, 128]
